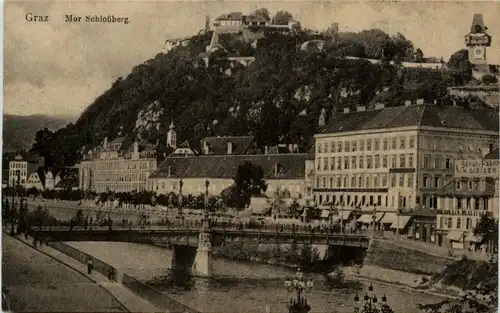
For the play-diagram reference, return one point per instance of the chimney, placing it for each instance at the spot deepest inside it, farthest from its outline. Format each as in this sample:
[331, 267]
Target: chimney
[435, 101]
[379, 106]
[265, 149]
[290, 148]
[205, 147]
[169, 169]
[136, 147]
[361, 108]
[420, 101]
[346, 110]
[229, 147]
[407, 103]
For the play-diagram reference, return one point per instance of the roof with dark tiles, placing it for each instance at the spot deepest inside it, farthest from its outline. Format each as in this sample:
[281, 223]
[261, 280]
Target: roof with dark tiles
[219, 145]
[415, 115]
[464, 189]
[290, 166]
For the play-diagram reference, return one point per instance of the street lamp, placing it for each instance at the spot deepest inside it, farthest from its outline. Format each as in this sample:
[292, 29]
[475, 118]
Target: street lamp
[179, 207]
[299, 285]
[370, 302]
[206, 221]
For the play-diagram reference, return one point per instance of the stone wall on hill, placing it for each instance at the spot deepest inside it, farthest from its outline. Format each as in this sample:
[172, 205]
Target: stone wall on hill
[397, 257]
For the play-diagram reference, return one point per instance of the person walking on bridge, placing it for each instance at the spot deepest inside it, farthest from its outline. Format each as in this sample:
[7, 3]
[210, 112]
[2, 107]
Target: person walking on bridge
[90, 265]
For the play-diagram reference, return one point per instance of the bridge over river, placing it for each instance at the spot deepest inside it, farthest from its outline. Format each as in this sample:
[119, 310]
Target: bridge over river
[192, 246]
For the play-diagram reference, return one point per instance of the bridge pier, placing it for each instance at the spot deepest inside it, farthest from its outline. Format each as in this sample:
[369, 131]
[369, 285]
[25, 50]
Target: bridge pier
[202, 266]
[183, 259]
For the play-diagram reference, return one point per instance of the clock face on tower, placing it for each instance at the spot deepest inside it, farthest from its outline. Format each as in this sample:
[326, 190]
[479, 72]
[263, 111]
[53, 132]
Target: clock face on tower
[478, 53]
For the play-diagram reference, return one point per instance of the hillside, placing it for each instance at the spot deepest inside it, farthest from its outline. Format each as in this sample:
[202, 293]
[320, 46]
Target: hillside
[277, 98]
[19, 131]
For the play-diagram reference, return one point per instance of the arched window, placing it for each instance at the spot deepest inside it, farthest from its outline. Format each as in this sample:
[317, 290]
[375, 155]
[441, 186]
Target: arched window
[479, 29]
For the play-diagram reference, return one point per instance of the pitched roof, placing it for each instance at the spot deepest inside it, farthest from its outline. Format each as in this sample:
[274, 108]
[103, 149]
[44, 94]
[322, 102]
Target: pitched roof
[494, 154]
[233, 16]
[291, 166]
[415, 115]
[194, 145]
[477, 20]
[218, 145]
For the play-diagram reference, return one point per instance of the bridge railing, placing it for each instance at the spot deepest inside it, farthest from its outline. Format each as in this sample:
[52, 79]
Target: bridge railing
[155, 296]
[149, 293]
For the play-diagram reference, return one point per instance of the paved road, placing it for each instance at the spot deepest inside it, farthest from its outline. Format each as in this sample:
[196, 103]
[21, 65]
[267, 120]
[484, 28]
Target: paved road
[38, 283]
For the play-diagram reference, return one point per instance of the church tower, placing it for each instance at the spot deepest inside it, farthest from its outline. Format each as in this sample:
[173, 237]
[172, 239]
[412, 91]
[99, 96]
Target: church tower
[477, 41]
[172, 136]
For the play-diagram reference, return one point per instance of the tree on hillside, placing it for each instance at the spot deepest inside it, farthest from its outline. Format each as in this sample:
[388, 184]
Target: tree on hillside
[419, 56]
[262, 12]
[460, 67]
[282, 17]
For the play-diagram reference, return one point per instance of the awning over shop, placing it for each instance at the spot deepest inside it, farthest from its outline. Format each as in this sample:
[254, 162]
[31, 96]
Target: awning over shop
[379, 216]
[344, 214]
[389, 218]
[325, 213]
[365, 219]
[471, 238]
[455, 235]
[403, 221]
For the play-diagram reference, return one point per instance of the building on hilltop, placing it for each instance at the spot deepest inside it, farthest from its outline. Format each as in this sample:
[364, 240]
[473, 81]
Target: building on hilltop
[282, 172]
[473, 192]
[397, 157]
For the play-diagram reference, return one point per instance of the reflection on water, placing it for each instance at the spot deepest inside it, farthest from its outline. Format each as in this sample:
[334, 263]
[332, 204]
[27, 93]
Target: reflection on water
[240, 286]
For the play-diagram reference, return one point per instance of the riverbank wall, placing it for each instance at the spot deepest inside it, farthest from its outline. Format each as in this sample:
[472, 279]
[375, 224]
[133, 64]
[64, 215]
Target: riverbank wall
[143, 290]
[391, 255]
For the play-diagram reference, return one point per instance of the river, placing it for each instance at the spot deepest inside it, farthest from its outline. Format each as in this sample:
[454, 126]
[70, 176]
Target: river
[241, 286]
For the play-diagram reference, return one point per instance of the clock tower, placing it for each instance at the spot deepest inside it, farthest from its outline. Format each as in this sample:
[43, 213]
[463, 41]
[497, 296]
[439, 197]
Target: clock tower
[477, 41]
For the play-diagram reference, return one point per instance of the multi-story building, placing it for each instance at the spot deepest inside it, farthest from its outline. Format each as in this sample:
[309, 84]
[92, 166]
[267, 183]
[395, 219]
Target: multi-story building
[21, 168]
[472, 193]
[115, 167]
[397, 156]
[282, 172]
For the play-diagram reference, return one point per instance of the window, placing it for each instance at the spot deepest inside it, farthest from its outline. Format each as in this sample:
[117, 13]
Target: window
[402, 143]
[436, 182]
[426, 181]
[437, 162]
[386, 144]
[353, 181]
[384, 161]
[468, 223]
[332, 163]
[346, 146]
[402, 160]
[449, 163]
[339, 163]
[470, 185]
[338, 182]
[360, 181]
[410, 160]
[361, 162]
[368, 162]
[332, 146]
[459, 185]
[376, 144]
[345, 181]
[324, 182]
[375, 181]
[339, 146]
[368, 144]
[411, 143]
[361, 145]
[459, 221]
[353, 162]
[320, 150]
[377, 161]
[354, 145]
[401, 180]
[317, 182]
[427, 161]
[393, 180]
[393, 161]
[346, 162]
[318, 163]
[331, 182]
[410, 180]
[368, 182]
[394, 141]
[325, 163]
[450, 222]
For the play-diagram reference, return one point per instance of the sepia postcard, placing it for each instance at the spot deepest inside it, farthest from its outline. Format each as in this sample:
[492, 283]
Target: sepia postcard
[254, 157]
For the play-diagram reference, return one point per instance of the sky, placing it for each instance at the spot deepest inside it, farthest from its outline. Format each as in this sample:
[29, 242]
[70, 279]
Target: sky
[58, 68]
